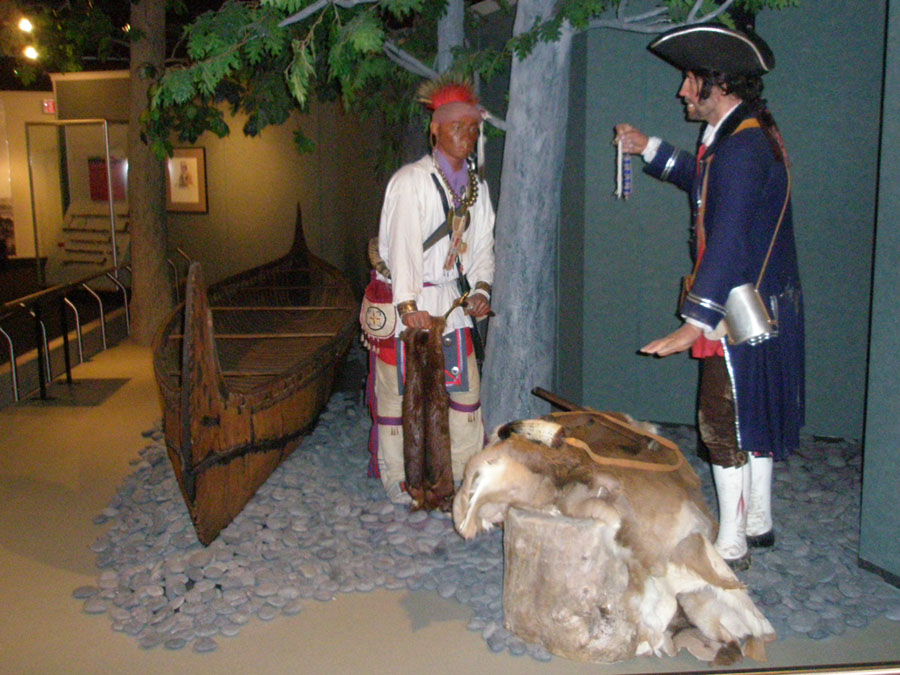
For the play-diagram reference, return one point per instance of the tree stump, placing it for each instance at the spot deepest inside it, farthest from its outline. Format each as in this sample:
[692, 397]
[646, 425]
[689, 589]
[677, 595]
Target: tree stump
[564, 586]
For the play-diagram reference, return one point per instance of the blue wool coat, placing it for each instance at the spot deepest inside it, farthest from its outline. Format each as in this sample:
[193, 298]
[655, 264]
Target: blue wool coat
[745, 195]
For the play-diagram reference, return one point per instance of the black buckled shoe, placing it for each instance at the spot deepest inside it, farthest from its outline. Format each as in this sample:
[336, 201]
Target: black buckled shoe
[764, 540]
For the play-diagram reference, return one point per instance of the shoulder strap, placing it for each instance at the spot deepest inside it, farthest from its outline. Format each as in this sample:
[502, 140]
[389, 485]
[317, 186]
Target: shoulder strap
[444, 202]
[749, 123]
[753, 123]
[444, 228]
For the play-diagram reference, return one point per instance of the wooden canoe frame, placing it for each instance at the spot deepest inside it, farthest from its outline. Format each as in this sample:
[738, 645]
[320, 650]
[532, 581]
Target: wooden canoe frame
[228, 429]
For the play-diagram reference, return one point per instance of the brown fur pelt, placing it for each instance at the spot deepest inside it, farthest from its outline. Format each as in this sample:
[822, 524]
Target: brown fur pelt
[426, 422]
[658, 525]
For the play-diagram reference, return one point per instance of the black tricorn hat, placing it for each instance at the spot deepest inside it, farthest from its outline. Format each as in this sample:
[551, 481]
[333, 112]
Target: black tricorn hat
[714, 47]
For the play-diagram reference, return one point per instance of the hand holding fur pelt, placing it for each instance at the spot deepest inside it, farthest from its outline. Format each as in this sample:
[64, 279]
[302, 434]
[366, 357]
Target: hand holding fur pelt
[426, 424]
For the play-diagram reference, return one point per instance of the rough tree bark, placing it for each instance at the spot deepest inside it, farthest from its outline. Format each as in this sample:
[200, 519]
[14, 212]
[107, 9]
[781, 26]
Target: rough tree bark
[451, 33]
[151, 292]
[564, 587]
[522, 341]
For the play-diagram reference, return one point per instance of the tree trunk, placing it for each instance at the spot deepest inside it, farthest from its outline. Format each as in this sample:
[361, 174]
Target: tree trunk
[521, 346]
[151, 291]
[565, 585]
[451, 33]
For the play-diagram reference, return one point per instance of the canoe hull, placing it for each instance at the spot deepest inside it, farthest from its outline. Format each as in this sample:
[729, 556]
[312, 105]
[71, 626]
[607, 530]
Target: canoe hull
[250, 444]
[230, 423]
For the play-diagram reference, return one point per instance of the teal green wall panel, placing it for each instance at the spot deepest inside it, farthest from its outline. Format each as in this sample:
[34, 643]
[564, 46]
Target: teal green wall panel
[635, 250]
[568, 378]
[825, 93]
[880, 520]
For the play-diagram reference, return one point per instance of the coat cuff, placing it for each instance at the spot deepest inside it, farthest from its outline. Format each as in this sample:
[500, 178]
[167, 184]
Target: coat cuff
[664, 160]
[703, 312]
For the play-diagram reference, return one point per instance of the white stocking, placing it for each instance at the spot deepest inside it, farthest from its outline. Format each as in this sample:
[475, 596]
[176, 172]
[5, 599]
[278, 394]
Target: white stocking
[759, 510]
[732, 489]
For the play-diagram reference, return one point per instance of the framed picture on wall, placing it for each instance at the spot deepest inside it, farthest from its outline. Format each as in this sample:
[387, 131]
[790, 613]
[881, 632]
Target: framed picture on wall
[186, 181]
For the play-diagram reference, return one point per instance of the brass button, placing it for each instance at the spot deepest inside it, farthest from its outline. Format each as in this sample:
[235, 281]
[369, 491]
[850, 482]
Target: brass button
[448, 340]
[455, 370]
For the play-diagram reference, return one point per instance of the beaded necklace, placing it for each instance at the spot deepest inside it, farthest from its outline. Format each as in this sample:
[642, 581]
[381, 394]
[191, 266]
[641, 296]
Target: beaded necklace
[471, 194]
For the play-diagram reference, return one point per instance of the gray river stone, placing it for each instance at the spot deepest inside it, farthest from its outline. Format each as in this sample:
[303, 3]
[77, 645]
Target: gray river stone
[94, 605]
[83, 592]
[319, 527]
[205, 644]
[201, 558]
[229, 629]
[803, 621]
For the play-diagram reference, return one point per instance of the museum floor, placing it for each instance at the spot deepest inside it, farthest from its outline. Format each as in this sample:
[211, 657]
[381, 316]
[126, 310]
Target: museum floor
[59, 466]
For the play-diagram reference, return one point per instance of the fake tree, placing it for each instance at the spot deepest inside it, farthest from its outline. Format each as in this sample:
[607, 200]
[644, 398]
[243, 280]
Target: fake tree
[151, 292]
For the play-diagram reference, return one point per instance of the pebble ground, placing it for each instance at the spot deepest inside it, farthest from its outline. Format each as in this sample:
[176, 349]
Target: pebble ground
[320, 527]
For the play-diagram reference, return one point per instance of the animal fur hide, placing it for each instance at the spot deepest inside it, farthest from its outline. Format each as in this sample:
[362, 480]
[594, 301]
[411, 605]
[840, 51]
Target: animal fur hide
[426, 422]
[677, 591]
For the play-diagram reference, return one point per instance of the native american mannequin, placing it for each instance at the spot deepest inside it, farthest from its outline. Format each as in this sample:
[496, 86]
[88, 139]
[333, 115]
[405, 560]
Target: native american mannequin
[435, 233]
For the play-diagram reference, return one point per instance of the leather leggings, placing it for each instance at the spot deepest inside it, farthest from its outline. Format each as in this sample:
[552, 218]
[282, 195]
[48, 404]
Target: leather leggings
[716, 415]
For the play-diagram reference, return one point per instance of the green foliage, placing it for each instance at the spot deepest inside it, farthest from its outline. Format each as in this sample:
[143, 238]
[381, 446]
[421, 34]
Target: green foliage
[303, 144]
[266, 101]
[756, 5]
[191, 119]
[216, 32]
[401, 9]
[65, 35]
[355, 59]
[288, 6]
[239, 55]
[580, 13]
[364, 33]
[302, 70]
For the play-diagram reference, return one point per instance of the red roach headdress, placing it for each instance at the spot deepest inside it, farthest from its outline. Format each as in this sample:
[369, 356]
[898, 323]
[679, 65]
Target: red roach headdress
[451, 96]
[447, 88]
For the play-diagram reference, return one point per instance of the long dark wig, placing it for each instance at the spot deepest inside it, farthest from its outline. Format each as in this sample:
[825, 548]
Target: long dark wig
[749, 89]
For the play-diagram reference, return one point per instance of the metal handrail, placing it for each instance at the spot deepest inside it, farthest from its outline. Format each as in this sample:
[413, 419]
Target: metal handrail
[124, 301]
[77, 328]
[31, 305]
[36, 315]
[174, 267]
[12, 365]
[13, 306]
[102, 313]
[175, 274]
